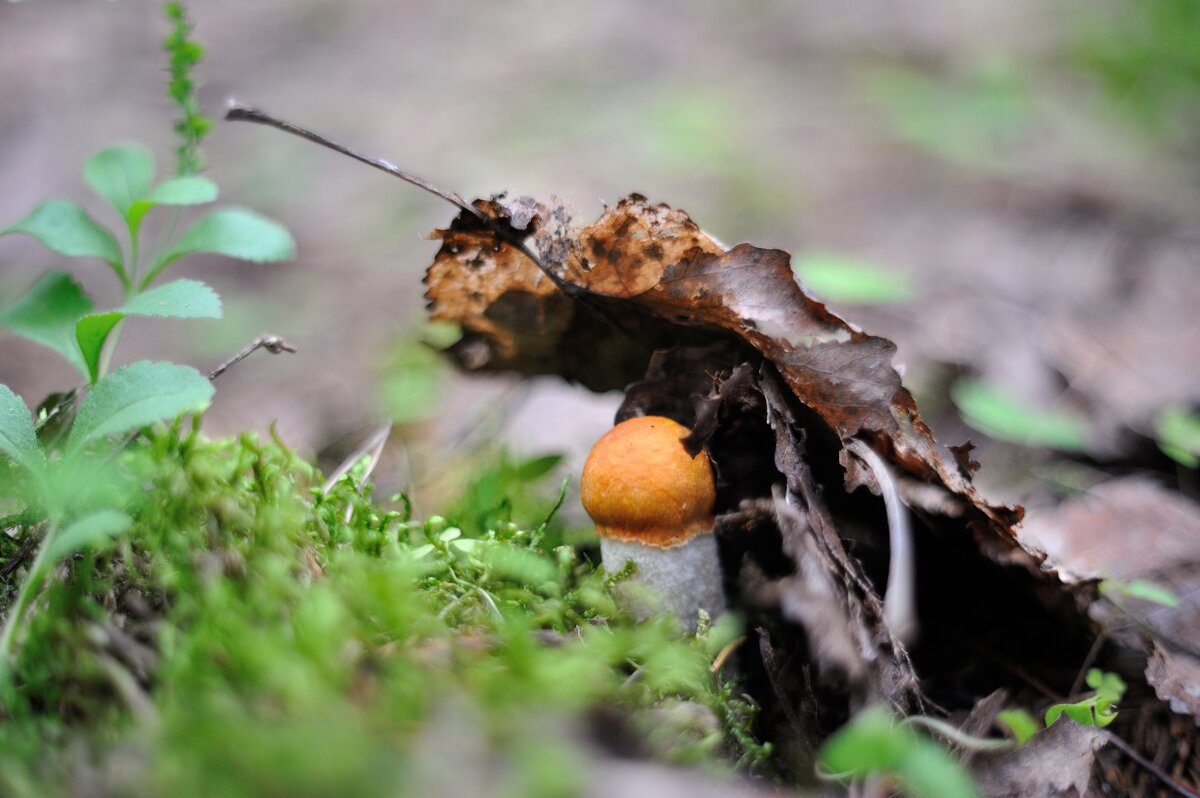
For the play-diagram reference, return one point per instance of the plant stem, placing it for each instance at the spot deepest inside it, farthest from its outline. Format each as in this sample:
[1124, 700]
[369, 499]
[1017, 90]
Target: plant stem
[29, 589]
[161, 250]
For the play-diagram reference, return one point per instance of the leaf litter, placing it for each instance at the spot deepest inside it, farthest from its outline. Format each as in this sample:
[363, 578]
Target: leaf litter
[777, 387]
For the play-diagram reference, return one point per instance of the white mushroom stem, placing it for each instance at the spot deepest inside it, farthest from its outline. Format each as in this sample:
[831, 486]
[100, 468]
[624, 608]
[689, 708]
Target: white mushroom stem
[899, 602]
[684, 578]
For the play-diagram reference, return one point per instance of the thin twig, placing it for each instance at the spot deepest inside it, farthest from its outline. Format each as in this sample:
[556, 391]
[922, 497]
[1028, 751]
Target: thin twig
[272, 343]
[1166, 778]
[1093, 652]
[237, 112]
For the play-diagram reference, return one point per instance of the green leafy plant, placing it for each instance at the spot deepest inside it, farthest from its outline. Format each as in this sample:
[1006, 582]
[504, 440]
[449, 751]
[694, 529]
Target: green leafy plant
[1100, 708]
[53, 473]
[874, 743]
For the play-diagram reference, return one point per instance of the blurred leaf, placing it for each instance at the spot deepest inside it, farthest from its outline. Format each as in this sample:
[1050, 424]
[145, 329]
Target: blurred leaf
[537, 467]
[1178, 432]
[91, 530]
[47, 314]
[970, 118]
[1140, 589]
[409, 390]
[137, 395]
[186, 190]
[67, 229]
[236, 233]
[18, 439]
[181, 299]
[872, 743]
[848, 281]
[1006, 418]
[1022, 725]
[1146, 57]
[121, 175]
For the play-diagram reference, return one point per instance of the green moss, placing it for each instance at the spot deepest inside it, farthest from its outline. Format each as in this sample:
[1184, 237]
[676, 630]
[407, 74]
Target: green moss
[290, 652]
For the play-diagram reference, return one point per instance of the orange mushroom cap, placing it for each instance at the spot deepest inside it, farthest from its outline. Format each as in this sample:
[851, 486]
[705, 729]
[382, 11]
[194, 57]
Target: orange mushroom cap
[640, 484]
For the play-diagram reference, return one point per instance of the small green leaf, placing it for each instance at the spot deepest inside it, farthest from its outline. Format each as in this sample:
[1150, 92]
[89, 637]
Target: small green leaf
[91, 530]
[453, 533]
[137, 395]
[186, 190]
[1178, 434]
[849, 281]
[121, 175]
[47, 314]
[1020, 724]
[18, 439]
[1004, 417]
[67, 229]
[181, 299]
[236, 233]
[90, 334]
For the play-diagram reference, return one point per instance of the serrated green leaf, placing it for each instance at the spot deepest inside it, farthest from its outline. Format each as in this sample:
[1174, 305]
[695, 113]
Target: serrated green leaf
[186, 190]
[1178, 432]
[67, 229]
[137, 395]
[120, 175]
[1006, 418]
[236, 233]
[91, 530]
[18, 439]
[849, 281]
[47, 314]
[181, 299]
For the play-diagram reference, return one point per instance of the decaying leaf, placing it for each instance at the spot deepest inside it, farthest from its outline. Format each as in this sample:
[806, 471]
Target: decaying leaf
[645, 277]
[1175, 678]
[1056, 763]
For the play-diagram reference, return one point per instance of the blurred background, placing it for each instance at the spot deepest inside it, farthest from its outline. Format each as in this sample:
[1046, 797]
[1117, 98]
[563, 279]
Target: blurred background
[1010, 191]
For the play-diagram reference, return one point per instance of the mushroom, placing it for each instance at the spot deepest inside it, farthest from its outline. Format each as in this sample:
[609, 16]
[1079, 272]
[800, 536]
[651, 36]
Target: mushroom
[652, 504]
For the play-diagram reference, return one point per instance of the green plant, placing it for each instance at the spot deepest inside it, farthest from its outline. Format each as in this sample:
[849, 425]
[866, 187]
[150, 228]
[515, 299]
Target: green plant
[54, 472]
[873, 743]
[1098, 709]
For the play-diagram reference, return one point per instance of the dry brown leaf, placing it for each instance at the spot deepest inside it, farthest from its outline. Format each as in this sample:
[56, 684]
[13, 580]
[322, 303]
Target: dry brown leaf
[1056, 763]
[1175, 678]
